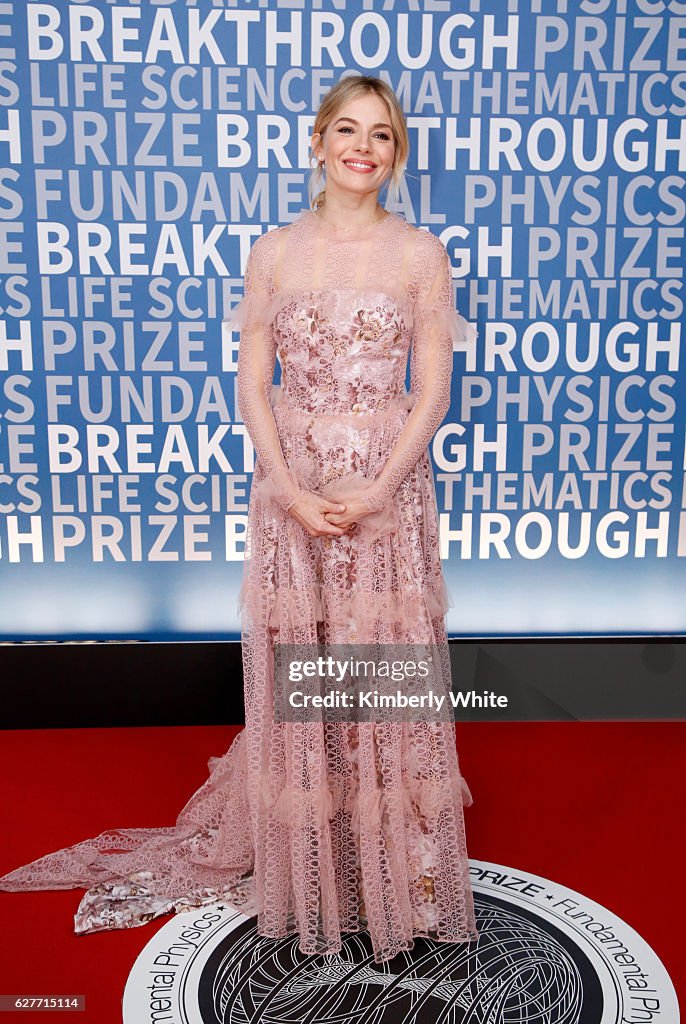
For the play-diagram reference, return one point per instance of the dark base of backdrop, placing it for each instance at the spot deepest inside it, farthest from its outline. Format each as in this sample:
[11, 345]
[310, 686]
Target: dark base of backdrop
[133, 683]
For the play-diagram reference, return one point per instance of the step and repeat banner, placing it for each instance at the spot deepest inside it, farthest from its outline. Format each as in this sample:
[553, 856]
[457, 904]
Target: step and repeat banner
[143, 148]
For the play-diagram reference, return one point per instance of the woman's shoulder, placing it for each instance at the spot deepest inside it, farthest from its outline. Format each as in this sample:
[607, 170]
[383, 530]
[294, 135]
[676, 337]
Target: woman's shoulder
[264, 251]
[425, 243]
[266, 246]
[426, 240]
[266, 242]
[429, 255]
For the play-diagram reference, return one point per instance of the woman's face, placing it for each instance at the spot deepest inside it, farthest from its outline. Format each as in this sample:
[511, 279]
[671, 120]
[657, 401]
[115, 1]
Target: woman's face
[358, 146]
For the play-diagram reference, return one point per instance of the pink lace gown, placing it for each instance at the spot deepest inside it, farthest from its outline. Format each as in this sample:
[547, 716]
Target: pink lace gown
[322, 828]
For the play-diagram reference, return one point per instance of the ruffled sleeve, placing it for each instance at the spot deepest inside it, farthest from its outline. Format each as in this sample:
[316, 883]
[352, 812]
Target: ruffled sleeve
[437, 326]
[254, 309]
[449, 322]
[253, 317]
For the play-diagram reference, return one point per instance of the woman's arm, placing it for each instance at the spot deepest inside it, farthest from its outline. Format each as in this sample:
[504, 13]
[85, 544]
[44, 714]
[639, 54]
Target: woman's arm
[256, 361]
[436, 323]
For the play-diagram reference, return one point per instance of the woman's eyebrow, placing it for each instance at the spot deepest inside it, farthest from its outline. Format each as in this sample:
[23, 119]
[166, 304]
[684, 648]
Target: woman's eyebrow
[379, 124]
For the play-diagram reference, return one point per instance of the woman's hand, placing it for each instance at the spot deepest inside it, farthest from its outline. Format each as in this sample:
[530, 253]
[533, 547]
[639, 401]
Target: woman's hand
[355, 509]
[310, 509]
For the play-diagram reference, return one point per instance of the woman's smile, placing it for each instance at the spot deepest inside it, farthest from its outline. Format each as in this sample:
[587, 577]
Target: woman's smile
[361, 166]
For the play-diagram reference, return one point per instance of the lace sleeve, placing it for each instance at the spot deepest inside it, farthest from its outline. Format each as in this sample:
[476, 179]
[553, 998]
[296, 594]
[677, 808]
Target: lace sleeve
[256, 361]
[436, 325]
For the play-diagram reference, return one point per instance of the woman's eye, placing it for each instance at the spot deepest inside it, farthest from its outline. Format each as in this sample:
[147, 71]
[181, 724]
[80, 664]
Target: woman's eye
[378, 135]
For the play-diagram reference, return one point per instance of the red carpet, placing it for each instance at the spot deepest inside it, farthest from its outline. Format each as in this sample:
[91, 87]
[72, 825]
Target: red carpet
[597, 807]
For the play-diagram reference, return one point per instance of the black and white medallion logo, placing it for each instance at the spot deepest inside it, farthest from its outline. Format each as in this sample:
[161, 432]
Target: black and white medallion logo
[545, 955]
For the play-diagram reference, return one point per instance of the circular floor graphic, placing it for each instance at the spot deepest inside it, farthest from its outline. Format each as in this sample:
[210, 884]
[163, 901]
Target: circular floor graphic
[545, 955]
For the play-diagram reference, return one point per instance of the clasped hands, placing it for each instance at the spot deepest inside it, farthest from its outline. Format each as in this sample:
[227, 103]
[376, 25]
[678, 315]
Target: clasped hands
[321, 517]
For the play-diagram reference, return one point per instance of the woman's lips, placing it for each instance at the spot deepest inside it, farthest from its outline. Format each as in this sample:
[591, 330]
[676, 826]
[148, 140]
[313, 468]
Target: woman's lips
[361, 168]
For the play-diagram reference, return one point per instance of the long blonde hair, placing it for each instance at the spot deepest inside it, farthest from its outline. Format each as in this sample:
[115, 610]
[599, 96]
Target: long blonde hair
[349, 88]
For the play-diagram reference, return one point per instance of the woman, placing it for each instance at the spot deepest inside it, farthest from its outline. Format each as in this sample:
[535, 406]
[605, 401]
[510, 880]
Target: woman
[333, 827]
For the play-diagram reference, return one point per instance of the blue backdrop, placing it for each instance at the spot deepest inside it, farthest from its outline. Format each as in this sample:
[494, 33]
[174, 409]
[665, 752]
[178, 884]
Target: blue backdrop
[144, 146]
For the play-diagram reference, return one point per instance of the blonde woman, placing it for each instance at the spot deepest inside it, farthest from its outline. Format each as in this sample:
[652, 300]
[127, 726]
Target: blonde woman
[325, 828]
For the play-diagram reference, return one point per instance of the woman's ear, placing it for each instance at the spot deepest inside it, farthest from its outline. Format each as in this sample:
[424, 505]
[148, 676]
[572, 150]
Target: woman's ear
[316, 145]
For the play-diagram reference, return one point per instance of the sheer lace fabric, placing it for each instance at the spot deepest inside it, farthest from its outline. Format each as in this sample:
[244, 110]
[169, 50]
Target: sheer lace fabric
[320, 828]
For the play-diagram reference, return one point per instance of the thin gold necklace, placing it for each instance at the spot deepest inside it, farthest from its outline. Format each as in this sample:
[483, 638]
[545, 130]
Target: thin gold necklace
[351, 227]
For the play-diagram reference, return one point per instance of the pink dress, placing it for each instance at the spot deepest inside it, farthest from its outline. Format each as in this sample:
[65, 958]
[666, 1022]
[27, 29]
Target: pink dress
[322, 828]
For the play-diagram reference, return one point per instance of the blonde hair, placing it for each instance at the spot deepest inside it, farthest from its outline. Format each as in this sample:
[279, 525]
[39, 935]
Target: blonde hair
[349, 88]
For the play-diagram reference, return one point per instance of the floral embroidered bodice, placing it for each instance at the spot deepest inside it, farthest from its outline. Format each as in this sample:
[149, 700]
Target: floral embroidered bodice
[342, 352]
[343, 313]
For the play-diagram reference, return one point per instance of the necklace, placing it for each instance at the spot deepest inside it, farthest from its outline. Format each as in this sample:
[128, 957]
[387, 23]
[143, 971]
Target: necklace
[351, 227]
